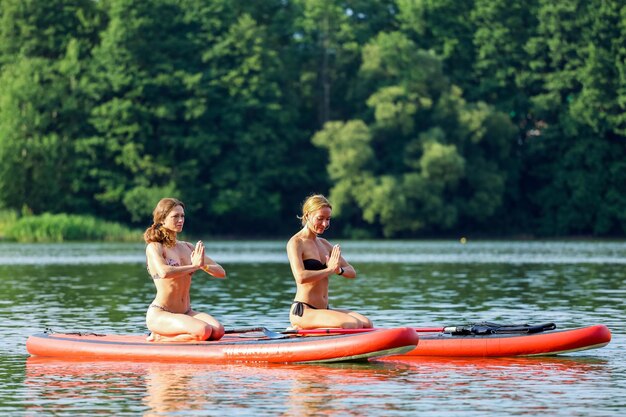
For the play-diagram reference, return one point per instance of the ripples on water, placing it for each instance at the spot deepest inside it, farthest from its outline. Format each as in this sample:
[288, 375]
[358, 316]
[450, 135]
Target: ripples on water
[105, 288]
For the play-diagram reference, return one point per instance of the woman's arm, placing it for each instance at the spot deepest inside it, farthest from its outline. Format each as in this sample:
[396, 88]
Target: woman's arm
[208, 265]
[213, 268]
[337, 263]
[157, 265]
[345, 269]
[301, 275]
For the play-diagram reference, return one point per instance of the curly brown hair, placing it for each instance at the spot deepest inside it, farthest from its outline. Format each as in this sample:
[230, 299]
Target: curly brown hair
[156, 232]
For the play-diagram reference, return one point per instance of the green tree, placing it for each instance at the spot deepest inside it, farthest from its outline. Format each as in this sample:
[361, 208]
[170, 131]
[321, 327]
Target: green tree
[42, 106]
[252, 128]
[430, 115]
[190, 103]
[32, 28]
[326, 32]
[576, 147]
[502, 29]
[143, 81]
[444, 27]
[422, 158]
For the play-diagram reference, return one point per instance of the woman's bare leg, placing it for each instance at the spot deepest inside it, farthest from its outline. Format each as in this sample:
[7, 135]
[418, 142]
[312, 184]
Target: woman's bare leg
[315, 319]
[173, 327]
[217, 329]
[367, 323]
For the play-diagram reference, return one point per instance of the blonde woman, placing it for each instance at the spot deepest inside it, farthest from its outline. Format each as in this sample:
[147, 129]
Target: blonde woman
[313, 260]
[171, 263]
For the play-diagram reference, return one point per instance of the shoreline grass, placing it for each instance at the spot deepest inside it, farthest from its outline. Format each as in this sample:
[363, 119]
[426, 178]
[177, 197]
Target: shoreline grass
[50, 228]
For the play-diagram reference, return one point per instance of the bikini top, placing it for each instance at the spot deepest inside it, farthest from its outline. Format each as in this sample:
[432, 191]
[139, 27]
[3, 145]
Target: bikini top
[168, 261]
[313, 265]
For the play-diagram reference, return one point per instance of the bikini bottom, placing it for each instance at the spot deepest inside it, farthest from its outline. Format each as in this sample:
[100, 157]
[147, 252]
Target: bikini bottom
[160, 307]
[298, 310]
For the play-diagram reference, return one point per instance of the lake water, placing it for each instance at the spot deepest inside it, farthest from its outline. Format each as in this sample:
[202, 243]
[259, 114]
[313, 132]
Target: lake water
[105, 288]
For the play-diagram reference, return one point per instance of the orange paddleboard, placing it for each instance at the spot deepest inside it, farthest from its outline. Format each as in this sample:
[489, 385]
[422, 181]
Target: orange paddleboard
[552, 342]
[231, 348]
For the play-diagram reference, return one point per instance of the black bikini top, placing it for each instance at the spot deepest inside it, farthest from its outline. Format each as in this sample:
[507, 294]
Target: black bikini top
[313, 265]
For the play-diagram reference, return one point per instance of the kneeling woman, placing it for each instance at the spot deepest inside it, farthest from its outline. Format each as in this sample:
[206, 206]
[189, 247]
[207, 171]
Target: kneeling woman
[313, 259]
[170, 264]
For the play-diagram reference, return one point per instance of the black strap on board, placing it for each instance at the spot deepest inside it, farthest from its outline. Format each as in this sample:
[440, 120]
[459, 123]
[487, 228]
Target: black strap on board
[487, 328]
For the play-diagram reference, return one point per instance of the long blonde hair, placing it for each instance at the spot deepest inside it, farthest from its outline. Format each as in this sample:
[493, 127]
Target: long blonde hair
[156, 232]
[312, 203]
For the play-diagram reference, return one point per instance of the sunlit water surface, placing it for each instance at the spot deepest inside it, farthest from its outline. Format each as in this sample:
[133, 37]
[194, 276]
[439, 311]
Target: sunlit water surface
[105, 288]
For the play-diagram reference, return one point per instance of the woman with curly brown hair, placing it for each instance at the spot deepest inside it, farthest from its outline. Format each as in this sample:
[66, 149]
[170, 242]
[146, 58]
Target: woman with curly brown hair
[171, 263]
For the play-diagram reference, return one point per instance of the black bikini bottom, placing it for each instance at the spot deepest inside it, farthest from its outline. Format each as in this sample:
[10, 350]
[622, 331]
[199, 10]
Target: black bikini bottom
[298, 310]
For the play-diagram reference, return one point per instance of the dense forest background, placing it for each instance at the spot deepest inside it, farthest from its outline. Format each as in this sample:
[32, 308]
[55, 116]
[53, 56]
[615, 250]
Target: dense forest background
[416, 117]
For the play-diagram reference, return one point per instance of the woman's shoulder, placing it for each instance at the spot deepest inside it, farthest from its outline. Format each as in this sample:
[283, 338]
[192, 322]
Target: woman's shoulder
[158, 246]
[296, 238]
[185, 245]
[294, 241]
[155, 249]
[324, 242]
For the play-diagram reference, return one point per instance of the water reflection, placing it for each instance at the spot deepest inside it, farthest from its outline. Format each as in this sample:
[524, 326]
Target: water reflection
[173, 388]
[157, 389]
[527, 386]
[166, 388]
